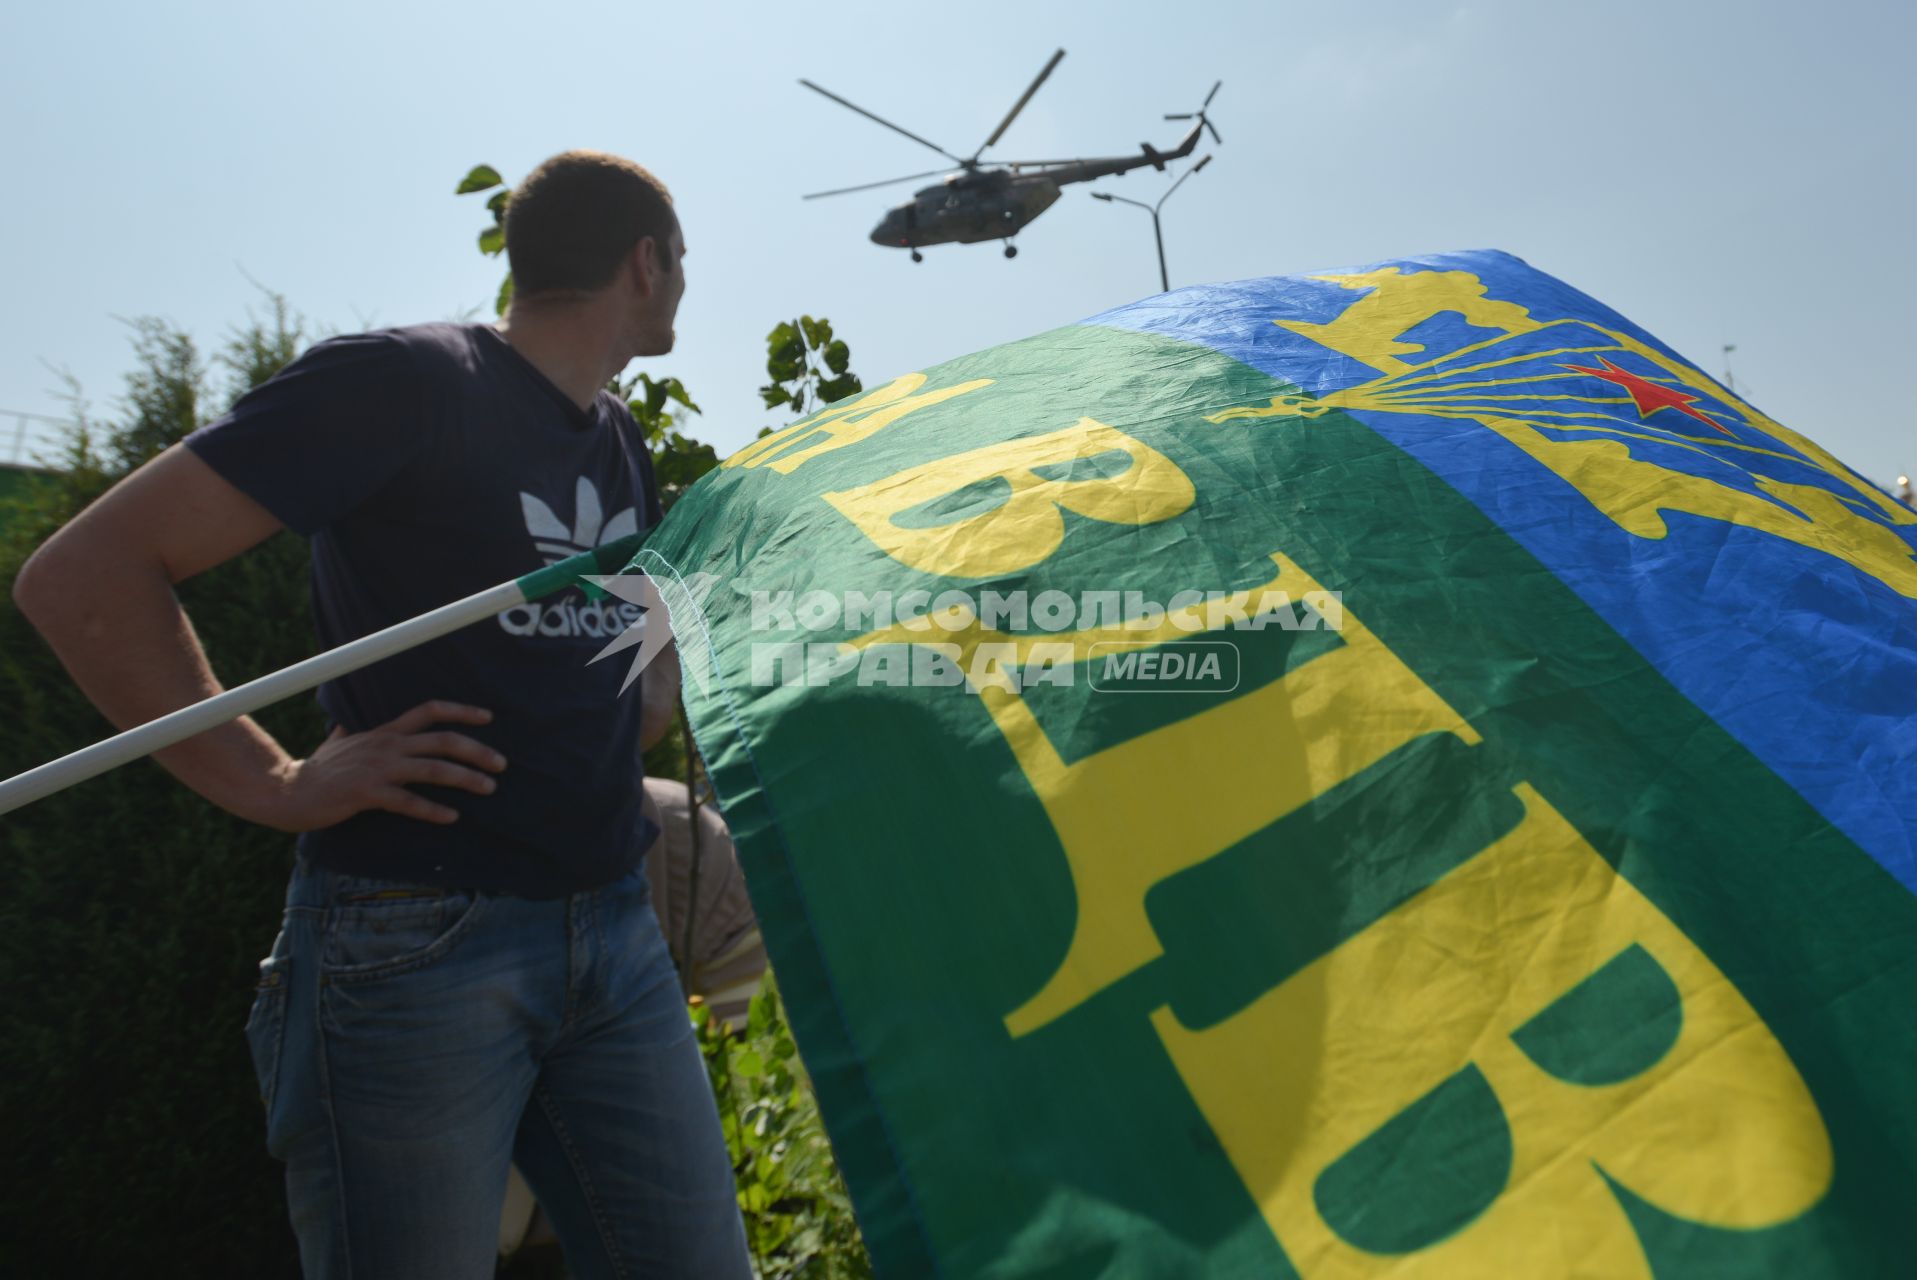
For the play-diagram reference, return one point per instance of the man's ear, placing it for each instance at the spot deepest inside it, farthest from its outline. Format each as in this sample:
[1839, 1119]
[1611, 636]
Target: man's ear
[645, 263]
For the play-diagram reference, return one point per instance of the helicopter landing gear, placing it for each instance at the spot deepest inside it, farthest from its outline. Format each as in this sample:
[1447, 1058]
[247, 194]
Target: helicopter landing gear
[1011, 251]
[917, 256]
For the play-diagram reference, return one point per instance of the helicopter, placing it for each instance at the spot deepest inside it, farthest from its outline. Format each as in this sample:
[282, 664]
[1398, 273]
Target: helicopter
[979, 203]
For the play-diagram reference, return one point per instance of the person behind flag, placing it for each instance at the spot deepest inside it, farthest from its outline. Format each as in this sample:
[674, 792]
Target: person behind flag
[469, 974]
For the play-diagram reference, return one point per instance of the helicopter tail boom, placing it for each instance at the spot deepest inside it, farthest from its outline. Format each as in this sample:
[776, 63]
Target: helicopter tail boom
[1063, 171]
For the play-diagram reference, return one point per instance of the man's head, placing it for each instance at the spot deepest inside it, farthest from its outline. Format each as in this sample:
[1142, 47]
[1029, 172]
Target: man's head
[585, 222]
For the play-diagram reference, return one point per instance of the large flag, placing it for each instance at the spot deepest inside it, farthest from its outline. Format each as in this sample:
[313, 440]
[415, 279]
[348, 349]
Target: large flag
[1385, 773]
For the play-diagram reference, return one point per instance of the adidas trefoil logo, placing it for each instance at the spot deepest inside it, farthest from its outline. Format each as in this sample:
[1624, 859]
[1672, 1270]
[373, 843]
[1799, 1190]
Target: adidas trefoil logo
[555, 541]
[569, 618]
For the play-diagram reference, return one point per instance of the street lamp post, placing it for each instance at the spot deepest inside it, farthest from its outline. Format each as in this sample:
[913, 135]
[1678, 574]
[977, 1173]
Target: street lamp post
[1164, 280]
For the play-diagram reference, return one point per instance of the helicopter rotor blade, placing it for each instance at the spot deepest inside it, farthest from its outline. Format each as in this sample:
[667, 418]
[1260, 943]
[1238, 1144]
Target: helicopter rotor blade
[867, 186]
[881, 120]
[1019, 106]
[1216, 86]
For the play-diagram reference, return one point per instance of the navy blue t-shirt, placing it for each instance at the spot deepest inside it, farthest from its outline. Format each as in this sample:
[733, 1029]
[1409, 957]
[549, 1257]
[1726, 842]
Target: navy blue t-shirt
[425, 464]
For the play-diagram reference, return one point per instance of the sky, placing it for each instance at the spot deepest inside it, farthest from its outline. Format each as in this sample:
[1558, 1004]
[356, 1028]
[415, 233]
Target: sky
[1722, 173]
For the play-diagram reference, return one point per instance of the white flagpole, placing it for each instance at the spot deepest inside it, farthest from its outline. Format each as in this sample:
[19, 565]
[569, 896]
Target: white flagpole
[90, 762]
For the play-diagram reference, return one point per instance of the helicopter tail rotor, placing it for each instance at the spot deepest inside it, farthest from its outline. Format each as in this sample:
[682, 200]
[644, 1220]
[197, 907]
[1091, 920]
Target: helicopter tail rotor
[1200, 116]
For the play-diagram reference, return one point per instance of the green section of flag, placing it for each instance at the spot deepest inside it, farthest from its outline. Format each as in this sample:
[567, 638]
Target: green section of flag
[914, 891]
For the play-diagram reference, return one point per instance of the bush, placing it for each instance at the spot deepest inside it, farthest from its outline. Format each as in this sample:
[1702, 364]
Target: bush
[133, 913]
[798, 1216]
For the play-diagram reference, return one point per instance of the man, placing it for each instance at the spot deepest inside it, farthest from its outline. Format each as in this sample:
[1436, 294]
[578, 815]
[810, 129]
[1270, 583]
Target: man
[699, 896]
[469, 974]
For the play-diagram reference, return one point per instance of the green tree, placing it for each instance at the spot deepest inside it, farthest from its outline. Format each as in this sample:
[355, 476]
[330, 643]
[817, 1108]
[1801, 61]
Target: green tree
[132, 913]
[163, 393]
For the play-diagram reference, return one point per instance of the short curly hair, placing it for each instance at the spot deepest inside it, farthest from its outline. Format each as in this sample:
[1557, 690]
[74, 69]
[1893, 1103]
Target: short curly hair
[576, 216]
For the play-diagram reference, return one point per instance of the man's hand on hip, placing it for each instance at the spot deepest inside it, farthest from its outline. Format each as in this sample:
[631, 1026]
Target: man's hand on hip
[350, 773]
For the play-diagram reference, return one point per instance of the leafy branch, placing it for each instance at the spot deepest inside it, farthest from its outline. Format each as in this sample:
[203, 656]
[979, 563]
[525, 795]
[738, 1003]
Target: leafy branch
[492, 239]
[807, 365]
[677, 459]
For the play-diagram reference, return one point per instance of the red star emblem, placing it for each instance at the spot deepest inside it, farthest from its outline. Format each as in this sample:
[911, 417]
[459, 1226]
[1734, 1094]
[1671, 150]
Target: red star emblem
[1647, 395]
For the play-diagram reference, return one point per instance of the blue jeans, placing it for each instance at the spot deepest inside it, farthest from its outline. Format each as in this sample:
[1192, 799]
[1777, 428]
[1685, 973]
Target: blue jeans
[412, 1042]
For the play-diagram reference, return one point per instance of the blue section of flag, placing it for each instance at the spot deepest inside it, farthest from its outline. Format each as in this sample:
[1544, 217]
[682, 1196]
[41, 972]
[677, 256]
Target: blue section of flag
[1803, 657]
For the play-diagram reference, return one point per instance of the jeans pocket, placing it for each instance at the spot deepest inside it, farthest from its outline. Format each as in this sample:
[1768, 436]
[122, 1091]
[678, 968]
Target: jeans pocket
[266, 1023]
[376, 929]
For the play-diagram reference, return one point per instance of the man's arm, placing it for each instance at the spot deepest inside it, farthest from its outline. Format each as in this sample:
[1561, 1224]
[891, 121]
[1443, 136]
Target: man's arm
[101, 592]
